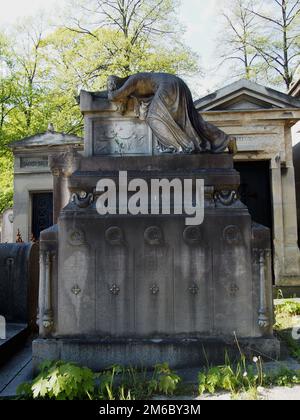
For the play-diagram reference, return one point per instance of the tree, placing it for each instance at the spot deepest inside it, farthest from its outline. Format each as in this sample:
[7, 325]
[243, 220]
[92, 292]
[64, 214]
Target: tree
[6, 90]
[7, 105]
[279, 45]
[21, 104]
[43, 70]
[135, 28]
[240, 29]
[135, 19]
[30, 69]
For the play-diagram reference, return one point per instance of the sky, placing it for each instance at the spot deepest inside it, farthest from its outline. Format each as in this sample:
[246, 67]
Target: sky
[197, 16]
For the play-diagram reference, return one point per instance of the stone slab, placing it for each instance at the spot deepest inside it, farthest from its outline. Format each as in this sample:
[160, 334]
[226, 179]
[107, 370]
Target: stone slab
[100, 354]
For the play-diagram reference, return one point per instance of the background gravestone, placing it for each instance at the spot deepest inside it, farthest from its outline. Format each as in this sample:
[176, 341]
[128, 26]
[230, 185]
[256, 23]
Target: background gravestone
[19, 276]
[7, 226]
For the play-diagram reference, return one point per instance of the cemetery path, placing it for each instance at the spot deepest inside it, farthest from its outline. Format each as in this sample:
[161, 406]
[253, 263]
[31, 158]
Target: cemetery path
[17, 370]
[271, 394]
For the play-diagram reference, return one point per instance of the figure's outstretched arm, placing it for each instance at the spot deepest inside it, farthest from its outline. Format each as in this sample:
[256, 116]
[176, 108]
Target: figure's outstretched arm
[124, 92]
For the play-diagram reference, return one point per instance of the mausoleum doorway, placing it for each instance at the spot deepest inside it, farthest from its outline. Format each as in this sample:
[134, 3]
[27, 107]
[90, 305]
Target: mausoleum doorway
[42, 212]
[255, 190]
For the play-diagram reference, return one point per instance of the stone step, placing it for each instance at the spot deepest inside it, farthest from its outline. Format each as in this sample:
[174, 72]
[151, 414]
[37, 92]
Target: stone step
[16, 335]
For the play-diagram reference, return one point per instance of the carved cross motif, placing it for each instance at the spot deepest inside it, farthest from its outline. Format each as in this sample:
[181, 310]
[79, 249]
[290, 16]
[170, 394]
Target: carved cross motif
[154, 289]
[76, 290]
[194, 289]
[233, 289]
[115, 290]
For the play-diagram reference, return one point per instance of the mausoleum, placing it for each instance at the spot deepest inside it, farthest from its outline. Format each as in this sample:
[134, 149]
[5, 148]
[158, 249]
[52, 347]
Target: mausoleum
[261, 118]
[33, 181]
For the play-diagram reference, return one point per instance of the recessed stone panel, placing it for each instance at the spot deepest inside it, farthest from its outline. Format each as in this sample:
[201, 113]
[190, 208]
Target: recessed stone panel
[126, 137]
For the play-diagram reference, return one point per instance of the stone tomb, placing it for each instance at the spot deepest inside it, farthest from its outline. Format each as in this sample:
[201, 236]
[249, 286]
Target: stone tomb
[19, 278]
[140, 290]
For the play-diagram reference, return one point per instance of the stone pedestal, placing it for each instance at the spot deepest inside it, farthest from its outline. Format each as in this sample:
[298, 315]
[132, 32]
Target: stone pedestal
[141, 290]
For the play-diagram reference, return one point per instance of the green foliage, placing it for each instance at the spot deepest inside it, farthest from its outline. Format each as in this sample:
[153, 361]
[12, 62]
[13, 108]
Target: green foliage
[60, 381]
[287, 317]
[292, 345]
[242, 378]
[164, 380]
[42, 70]
[230, 377]
[130, 383]
[289, 308]
[67, 381]
[284, 377]
[6, 182]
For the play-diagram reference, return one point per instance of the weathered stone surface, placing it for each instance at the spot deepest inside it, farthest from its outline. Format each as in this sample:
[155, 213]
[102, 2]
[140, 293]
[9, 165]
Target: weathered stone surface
[98, 354]
[152, 277]
[128, 137]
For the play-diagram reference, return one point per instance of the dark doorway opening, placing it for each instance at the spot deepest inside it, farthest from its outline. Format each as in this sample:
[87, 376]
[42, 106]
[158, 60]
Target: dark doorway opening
[255, 190]
[42, 213]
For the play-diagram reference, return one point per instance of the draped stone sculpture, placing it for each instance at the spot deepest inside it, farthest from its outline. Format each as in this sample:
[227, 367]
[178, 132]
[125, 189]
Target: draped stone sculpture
[165, 102]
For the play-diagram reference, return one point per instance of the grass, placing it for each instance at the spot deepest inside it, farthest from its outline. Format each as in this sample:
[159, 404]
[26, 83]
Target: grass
[288, 318]
[243, 380]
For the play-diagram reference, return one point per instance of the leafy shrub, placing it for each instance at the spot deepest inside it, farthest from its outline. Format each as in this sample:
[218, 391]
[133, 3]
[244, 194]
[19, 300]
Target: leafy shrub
[164, 380]
[60, 381]
[67, 381]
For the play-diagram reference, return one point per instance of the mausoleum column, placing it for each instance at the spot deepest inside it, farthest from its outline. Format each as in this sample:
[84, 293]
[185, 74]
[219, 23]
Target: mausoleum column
[61, 194]
[278, 230]
[62, 166]
[291, 250]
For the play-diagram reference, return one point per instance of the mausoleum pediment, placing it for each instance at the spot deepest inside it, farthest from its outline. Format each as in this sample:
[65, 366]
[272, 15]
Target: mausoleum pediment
[244, 96]
[49, 138]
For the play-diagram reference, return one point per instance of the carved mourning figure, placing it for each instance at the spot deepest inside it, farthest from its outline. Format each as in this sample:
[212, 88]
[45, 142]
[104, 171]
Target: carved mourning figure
[165, 102]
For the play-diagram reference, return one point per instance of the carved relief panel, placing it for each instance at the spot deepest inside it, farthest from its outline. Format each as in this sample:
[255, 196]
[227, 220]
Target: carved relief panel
[126, 137]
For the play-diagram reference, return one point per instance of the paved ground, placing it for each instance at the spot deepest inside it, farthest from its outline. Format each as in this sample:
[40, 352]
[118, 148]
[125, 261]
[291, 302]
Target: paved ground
[16, 371]
[272, 394]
